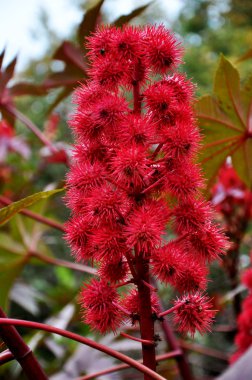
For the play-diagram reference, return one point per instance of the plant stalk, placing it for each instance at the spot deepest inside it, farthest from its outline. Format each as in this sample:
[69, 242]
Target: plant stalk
[174, 345]
[22, 353]
[145, 314]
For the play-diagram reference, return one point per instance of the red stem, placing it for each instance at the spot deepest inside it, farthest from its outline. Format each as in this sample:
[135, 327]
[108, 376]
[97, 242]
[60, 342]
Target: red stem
[182, 362]
[120, 307]
[136, 95]
[29, 124]
[212, 352]
[63, 263]
[20, 350]
[145, 313]
[120, 367]
[39, 218]
[153, 185]
[144, 341]
[136, 89]
[124, 283]
[152, 288]
[169, 311]
[5, 357]
[131, 265]
[78, 338]
[174, 345]
[142, 273]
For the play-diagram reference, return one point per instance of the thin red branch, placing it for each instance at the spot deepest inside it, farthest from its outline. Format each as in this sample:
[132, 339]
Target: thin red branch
[120, 307]
[22, 353]
[120, 367]
[124, 283]
[144, 341]
[174, 345]
[136, 91]
[204, 350]
[224, 328]
[78, 338]
[30, 125]
[153, 185]
[131, 265]
[39, 218]
[5, 357]
[145, 313]
[63, 263]
[169, 311]
[152, 288]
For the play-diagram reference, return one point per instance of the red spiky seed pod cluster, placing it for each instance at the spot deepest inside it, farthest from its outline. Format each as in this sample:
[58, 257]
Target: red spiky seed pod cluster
[130, 157]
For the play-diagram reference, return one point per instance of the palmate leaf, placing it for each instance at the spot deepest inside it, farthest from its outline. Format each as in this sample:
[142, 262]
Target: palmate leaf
[9, 211]
[225, 119]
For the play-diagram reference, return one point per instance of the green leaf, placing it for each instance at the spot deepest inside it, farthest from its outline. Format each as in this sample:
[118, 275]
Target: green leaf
[126, 18]
[11, 266]
[220, 136]
[7, 212]
[226, 122]
[246, 95]
[8, 244]
[242, 162]
[227, 91]
[88, 23]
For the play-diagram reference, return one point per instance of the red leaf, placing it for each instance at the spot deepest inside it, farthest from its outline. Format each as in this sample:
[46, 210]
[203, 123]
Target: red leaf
[24, 88]
[70, 54]
[7, 74]
[89, 22]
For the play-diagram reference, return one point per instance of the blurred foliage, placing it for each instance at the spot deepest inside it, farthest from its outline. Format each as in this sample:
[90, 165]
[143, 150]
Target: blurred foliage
[211, 27]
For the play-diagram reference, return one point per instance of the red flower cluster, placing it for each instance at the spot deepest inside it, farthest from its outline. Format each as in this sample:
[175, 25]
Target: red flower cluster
[133, 172]
[243, 339]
